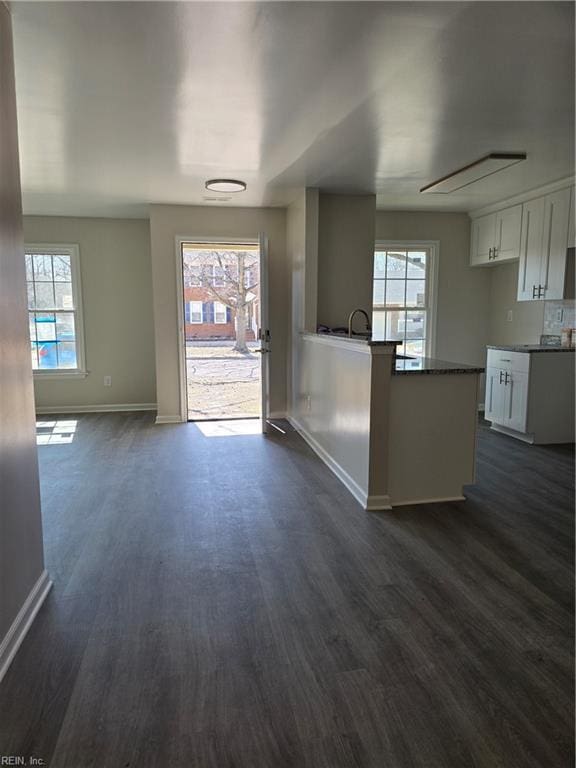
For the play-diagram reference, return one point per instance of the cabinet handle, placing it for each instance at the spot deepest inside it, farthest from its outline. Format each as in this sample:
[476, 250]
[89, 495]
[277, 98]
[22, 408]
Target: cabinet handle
[489, 253]
[506, 377]
[501, 377]
[494, 252]
[541, 291]
[534, 292]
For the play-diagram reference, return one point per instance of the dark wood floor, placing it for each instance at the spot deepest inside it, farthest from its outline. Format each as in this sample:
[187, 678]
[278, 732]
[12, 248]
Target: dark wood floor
[225, 603]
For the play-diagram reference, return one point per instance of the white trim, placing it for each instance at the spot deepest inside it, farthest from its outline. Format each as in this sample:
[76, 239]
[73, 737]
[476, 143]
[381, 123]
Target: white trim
[177, 419]
[73, 250]
[23, 621]
[378, 503]
[525, 437]
[351, 484]
[354, 345]
[43, 409]
[58, 373]
[546, 189]
[438, 500]
[431, 283]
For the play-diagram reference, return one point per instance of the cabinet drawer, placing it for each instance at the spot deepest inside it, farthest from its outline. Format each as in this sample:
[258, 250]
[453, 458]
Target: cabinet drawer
[508, 361]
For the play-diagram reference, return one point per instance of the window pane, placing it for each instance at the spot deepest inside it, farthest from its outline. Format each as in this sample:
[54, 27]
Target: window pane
[415, 325]
[34, 351]
[62, 269]
[42, 267]
[379, 291]
[394, 325]
[417, 264]
[45, 327]
[396, 264]
[67, 355]
[395, 293]
[32, 327]
[29, 272]
[379, 325]
[47, 355]
[380, 264]
[44, 295]
[31, 299]
[413, 347]
[415, 293]
[63, 296]
[65, 326]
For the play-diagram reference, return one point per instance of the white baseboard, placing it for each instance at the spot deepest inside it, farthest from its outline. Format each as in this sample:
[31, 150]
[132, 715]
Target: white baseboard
[169, 419]
[356, 491]
[45, 409]
[439, 500]
[378, 503]
[23, 622]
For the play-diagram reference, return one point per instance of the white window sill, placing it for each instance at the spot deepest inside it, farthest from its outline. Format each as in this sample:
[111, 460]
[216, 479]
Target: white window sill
[39, 375]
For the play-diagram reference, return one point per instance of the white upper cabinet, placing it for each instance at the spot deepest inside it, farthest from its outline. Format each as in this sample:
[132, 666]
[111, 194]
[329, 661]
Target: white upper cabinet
[531, 249]
[571, 223]
[495, 238]
[542, 270]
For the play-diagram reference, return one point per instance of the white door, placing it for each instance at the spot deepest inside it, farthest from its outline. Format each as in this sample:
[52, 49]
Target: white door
[531, 250]
[553, 268]
[482, 239]
[508, 230]
[264, 334]
[516, 401]
[494, 403]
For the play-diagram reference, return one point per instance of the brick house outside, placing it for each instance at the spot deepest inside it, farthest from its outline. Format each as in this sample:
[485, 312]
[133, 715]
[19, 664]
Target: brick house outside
[208, 319]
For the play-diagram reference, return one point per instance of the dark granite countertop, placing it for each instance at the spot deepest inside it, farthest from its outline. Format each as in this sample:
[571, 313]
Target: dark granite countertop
[428, 365]
[529, 348]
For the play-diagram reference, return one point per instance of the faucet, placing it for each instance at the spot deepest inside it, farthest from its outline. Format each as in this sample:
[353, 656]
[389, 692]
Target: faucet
[351, 318]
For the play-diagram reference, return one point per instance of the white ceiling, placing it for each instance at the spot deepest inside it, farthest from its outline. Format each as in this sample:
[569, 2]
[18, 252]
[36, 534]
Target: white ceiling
[125, 104]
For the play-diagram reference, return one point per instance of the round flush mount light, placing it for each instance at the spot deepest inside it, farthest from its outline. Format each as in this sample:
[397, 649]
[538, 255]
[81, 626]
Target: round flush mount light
[225, 185]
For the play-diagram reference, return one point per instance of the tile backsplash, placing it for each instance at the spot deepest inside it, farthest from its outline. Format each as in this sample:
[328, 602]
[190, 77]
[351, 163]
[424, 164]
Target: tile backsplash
[559, 315]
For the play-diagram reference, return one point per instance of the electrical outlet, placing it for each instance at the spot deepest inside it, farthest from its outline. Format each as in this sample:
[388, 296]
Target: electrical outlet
[107, 381]
[559, 315]
[509, 316]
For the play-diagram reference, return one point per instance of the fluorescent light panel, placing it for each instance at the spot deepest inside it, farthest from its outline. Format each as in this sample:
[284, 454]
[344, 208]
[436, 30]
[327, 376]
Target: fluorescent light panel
[479, 169]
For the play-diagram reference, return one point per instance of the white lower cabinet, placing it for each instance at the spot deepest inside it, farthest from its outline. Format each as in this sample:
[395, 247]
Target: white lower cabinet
[531, 395]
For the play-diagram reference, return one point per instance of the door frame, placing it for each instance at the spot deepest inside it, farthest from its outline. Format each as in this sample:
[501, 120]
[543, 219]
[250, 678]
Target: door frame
[181, 328]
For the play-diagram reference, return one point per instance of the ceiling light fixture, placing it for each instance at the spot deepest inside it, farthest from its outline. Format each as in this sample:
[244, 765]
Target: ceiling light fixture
[479, 169]
[225, 185]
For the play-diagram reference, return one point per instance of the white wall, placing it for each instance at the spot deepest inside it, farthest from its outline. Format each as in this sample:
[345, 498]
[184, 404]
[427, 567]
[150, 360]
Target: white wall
[527, 316]
[116, 274]
[463, 309]
[21, 550]
[170, 221]
[345, 256]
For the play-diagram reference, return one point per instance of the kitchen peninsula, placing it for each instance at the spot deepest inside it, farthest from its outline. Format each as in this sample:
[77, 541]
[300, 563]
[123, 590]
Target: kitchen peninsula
[394, 430]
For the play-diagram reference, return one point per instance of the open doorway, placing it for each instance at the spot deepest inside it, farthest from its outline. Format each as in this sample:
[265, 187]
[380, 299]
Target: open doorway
[222, 297]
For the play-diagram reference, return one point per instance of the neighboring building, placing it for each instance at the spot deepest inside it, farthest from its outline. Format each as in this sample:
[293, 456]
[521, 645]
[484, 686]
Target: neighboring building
[206, 317]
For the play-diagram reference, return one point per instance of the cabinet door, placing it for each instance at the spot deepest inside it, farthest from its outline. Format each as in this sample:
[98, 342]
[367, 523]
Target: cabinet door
[571, 221]
[495, 392]
[516, 401]
[508, 231]
[482, 239]
[553, 265]
[531, 249]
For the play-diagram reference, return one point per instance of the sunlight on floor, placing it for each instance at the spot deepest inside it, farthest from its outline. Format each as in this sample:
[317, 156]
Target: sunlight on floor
[55, 432]
[231, 428]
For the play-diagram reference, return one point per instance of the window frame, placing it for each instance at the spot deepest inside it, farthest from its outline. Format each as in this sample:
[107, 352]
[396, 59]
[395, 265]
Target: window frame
[431, 297]
[73, 251]
[224, 309]
[197, 322]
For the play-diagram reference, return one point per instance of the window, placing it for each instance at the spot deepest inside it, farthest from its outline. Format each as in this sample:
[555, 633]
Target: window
[196, 313]
[218, 276]
[193, 276]
[402, 296]
[219, 313]
[54, 309]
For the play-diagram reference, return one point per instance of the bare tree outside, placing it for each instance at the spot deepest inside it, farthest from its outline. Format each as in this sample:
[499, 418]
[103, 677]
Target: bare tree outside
[231, 278]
